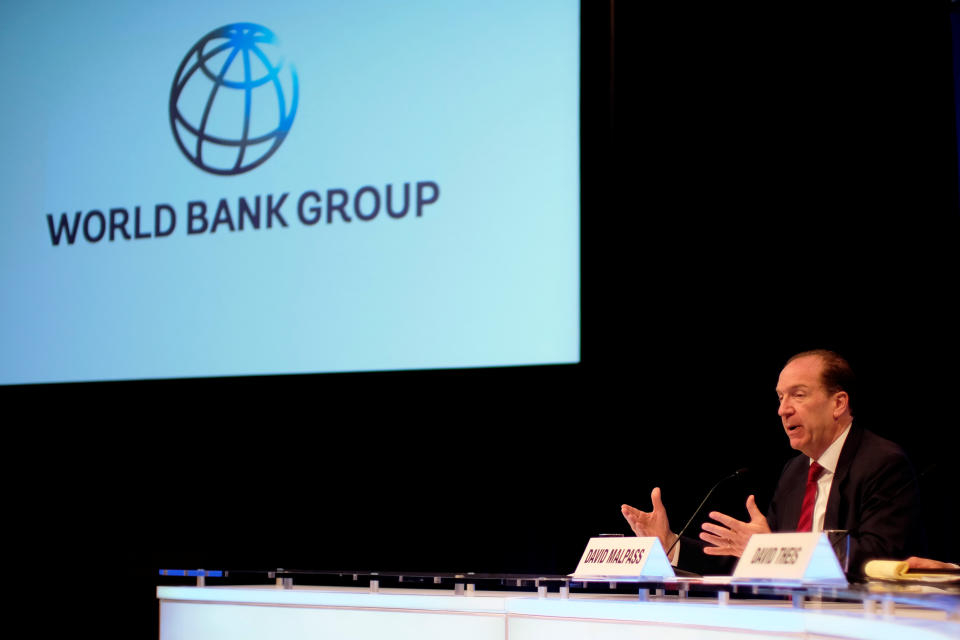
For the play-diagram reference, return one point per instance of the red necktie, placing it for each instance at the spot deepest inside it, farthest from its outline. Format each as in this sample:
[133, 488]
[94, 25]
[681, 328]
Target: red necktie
[805, 523]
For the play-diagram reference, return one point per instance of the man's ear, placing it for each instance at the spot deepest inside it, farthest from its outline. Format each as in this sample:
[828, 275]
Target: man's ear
[841, 403]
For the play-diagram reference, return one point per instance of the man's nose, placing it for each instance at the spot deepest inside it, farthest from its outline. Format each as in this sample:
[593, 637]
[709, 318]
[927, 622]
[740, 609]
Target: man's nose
[785, 408]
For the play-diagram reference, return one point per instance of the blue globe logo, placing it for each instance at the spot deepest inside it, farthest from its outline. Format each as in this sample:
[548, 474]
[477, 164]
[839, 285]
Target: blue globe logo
[233, 99]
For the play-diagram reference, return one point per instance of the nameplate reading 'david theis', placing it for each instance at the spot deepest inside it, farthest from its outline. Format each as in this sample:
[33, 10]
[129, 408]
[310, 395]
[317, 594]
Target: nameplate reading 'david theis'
[626, 557]
[790, 557]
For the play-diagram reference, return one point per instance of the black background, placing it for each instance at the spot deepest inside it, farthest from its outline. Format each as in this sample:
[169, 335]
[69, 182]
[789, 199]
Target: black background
[755, 182]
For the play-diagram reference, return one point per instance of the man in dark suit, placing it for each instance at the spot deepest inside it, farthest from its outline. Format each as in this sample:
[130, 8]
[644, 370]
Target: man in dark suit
[846, 478]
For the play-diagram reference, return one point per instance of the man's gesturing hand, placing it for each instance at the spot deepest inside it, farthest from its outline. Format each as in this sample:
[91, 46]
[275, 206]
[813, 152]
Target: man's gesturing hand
[731, 538]
[650, 523]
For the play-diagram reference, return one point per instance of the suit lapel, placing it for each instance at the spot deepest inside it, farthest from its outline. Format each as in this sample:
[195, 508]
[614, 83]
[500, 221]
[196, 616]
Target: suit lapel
[831, 519]
[795, 485]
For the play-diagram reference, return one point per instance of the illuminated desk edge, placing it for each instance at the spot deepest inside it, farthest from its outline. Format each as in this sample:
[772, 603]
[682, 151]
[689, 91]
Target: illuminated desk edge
[775, 618]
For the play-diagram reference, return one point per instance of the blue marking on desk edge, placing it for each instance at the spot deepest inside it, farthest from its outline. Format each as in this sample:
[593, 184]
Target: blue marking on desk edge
[191, 573]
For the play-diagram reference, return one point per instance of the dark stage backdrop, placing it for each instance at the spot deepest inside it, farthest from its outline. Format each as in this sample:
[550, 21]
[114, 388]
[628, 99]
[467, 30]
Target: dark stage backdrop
[754, 184]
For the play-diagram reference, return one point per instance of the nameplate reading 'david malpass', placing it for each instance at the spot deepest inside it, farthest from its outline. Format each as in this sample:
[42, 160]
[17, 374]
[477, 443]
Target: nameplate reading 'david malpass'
[803, 557]
[623, 557]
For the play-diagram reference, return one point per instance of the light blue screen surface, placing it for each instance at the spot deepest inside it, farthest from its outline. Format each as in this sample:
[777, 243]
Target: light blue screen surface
[473, 105]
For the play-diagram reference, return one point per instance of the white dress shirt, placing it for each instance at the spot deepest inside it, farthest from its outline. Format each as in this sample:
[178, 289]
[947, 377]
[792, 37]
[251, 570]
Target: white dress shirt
[828, 460]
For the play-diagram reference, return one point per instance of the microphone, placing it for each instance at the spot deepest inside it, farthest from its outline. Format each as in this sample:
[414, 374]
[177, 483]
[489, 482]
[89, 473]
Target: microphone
[738, 472]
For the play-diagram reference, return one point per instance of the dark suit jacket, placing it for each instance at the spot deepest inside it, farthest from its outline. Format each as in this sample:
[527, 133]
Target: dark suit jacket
[874, 495]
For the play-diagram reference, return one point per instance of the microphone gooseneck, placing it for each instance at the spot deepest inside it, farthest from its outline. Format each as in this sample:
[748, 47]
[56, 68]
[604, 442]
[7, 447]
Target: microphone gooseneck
[738, 472]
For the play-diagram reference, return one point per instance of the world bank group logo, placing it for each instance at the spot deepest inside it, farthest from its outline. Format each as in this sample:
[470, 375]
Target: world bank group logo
[233, 99]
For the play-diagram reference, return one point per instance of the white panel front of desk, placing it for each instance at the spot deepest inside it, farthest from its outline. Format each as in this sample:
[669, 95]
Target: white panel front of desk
[521, 628]
[215, 621]
[262, 613]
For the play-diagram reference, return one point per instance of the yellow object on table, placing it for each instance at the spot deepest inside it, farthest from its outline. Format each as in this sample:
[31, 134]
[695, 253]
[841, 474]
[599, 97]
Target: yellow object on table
[900, 570]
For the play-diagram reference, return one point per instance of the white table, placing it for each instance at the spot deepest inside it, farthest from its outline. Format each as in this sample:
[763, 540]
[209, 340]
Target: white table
[301, 612]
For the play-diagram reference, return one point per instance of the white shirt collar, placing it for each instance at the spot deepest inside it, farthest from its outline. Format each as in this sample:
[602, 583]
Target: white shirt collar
[828, 460]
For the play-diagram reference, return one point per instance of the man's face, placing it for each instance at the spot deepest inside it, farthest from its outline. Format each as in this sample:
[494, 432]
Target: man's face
[806, 408]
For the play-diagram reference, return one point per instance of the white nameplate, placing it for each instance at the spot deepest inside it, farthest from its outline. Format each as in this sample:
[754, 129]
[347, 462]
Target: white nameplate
[803, 557]
[623, 557]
